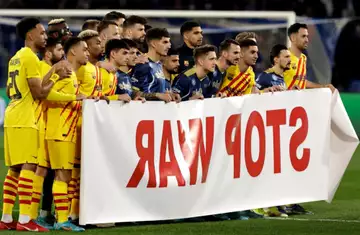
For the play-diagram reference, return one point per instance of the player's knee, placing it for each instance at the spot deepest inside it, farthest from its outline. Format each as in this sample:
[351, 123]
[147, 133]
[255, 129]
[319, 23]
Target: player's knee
[29, 167]
[63, 175]
[15, 170]
[41, 171]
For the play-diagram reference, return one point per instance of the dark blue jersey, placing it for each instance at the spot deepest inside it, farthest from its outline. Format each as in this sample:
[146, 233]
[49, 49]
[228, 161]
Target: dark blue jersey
[123, 83]
[149, 77]
[216, 79]
[269, 78]
[167, 85]
[187, 84]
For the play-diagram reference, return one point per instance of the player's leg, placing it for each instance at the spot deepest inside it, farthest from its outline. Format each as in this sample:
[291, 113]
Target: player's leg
[62, 156]
[47, 199]
[40, 174]
[74, 187]
[9, 187]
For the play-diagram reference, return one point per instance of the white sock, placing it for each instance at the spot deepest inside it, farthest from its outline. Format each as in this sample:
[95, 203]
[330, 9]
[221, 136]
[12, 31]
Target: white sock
[44, 214]
[6, 218]
[23, 219]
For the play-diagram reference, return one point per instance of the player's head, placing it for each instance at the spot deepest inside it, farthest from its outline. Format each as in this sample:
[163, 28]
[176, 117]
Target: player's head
[280, 56]
[117, 52]
[54, 51]
[90, 24]
[205, 57]
[134, 28]
[58, 29]
[171, 61]
[192, 33]
[230, 50]
[117, 17]
[93, 42]
[133, 52]
[299, 36]
[32, 31]
[76, 49]
[108, 30]
[158, 39]
[245, 35]
[249, 52]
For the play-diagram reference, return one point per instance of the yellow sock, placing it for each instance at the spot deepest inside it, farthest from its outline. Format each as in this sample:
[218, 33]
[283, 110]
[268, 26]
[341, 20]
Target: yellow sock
[25, 189]
[71, 191]
[36, 195]
[75, 203]
[61, 201]
[10, 191]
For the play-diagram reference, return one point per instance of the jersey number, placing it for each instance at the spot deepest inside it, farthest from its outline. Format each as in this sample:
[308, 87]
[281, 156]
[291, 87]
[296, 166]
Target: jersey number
[13, 75]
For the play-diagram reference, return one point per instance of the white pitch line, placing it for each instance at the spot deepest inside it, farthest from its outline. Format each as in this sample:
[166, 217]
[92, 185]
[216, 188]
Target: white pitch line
[315, 220]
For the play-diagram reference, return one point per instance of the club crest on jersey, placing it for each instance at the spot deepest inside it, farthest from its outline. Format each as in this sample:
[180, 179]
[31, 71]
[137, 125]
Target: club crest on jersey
[193, 82]
[186, 63]
[94, 76]
[293, 66]
[230, 76]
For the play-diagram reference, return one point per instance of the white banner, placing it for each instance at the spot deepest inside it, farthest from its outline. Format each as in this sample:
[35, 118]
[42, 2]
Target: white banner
[156, 161]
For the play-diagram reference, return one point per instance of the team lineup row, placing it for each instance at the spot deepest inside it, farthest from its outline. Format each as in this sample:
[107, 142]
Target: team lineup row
[121, 59]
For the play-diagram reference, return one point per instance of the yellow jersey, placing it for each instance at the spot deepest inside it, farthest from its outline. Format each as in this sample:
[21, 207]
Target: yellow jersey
[109, 82]
[62, 117]
[22, 66]
[89, 80]
[296, 75]
[236, 83]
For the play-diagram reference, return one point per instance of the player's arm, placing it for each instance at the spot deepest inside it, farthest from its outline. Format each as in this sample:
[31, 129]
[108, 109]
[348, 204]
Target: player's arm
[310, 85]
[41, 88]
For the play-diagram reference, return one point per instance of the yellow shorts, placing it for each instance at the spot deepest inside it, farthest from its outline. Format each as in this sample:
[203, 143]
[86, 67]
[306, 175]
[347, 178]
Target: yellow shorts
[78, 143]
[20, 145]
[61, 154]
[43, 152]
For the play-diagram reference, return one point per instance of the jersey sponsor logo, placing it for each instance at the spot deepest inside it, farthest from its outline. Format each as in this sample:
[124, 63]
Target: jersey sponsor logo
[125, 86]
[14, 62]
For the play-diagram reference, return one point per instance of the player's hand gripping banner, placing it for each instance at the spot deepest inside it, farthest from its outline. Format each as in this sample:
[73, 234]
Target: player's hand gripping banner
[156, 161]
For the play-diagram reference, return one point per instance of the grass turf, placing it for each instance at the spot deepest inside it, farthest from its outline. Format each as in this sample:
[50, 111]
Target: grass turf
[342, 216]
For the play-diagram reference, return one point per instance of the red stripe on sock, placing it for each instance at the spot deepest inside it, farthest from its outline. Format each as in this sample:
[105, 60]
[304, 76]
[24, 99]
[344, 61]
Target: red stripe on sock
[25, 193]
[59, 194]
[8, 192]
[62, 208]
[12, 179]
[61, 201]
[10, 185]
[27, 202]
[37, 193]
[9, 201]
[25, 186]
[25, 179]
[36, 200]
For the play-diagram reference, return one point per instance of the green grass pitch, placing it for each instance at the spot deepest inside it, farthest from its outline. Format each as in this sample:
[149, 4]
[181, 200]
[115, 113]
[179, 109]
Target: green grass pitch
[342, 216]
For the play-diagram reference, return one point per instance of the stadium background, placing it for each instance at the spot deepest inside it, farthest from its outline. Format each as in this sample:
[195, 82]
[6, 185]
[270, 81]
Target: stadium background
[332, 41]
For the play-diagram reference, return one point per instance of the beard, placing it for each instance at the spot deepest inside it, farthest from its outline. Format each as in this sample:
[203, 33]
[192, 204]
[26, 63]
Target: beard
[173, 71]
[55, 60]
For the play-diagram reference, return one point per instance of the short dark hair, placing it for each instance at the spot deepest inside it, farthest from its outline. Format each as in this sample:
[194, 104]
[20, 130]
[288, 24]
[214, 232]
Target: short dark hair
[172, 51]
[25, 25]
[247, 43]
[275, 51]
[203, 50]
[114, 15]
[225, 45]
[132, 20]
[115, 44]
[70, 43]
[90, 24]
[104, 24]
[156, 34]
[52, 42]
[295, 28]
[131, 43]
[188, 26]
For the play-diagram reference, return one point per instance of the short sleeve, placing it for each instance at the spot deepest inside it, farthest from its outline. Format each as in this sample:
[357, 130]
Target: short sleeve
[32, 66]
[182, 87]
[139, 79]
